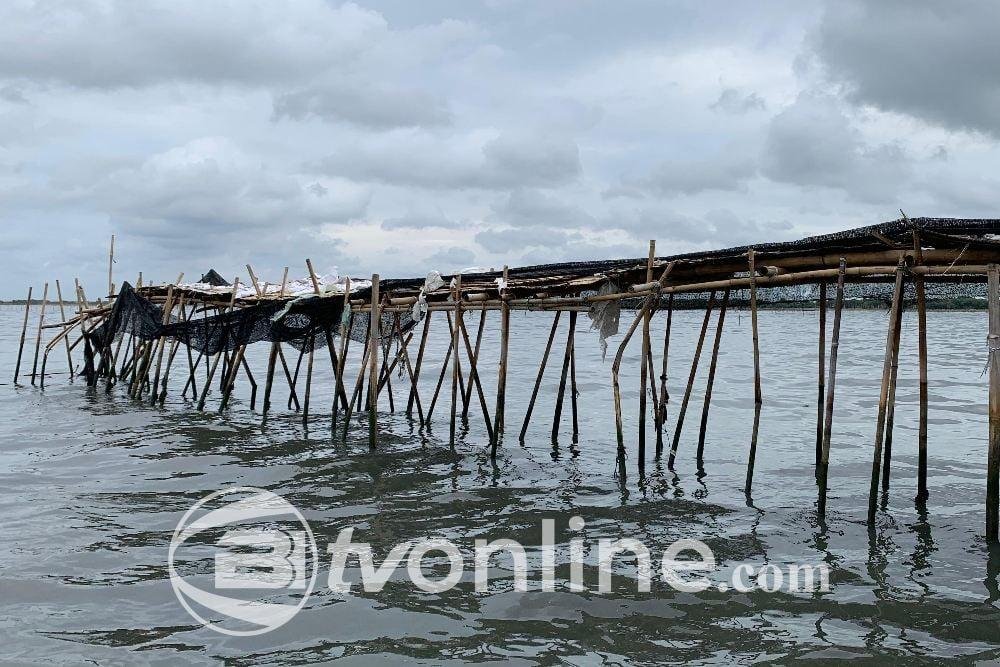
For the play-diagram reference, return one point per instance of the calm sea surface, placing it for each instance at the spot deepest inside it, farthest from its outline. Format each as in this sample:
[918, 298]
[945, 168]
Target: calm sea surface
[92, 486]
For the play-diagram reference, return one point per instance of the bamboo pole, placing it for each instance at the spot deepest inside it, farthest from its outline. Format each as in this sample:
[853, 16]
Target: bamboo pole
[474, 381]
[218, 356]
[567, 359]
[831, 385]
[374, 344]
[713, 364]
[111, 264]
[173, 351]
[572, 378]
[690, 384]
[309, 373]
[645, 366]
[414, 390]
[993, 457]
[358, 384]
[890, 415]
[758, 397]
[538, 378]
[161, 343]
[444, 370]
[456, 368]
[346, 318]
[409, 368]
[62, 314]
[38, 339]
[821, 375]
[918, 283]
[272, 361]
[616, 367]
[473, 365]
[664, 395]
[897, 300]
[24, 333]
[293, 398]
[500, 413]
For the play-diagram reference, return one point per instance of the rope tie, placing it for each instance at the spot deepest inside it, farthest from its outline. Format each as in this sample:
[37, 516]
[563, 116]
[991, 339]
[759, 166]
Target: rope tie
[992, 347]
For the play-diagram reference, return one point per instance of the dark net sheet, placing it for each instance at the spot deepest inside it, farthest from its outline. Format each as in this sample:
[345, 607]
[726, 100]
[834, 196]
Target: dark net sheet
[304, 326]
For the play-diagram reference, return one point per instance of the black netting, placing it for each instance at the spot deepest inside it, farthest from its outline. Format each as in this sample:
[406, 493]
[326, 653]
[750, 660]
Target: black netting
[304, 325]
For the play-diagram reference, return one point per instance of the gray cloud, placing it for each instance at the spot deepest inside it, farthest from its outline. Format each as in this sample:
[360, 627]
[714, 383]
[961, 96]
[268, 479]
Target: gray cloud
[452, 258]
[733, 101]
[813, 143]
[420, 159]
[727, 171]
[933, 60]
[412, 221]
[511, 240]
[531, 208]
[368, 104]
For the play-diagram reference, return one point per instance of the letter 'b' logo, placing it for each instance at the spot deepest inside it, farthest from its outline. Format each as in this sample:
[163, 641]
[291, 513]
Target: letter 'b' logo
[258, 545]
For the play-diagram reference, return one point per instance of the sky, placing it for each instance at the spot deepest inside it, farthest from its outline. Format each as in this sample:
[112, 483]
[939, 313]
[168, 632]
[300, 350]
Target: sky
[401, 137]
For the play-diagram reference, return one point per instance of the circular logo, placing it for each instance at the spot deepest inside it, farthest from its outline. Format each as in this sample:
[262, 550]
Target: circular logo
[264, 561]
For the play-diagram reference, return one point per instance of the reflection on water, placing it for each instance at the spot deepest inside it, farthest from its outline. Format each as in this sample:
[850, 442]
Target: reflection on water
[93, 485]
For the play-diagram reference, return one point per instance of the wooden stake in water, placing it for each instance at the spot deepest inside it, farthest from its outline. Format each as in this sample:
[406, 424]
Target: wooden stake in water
[664, 395]
[831, 385]
[38, 339]
[918, 284]
[62, 315]
[456, 368]
[24, 333]
[711, 380]
[374, 345]
[690, 384]
[538, 378]
[645, 367]
[890, 341]
[821, 375]
[498, 415]
[758, 398]
[993, 457]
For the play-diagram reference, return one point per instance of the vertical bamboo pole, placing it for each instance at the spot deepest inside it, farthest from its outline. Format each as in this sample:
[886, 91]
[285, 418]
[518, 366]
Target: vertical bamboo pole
[111, 264]
[993, 457]
[567, 357]
[890, 415]
[831, 385]
[473, 364]
[444, 370]
[710, 383]
[538, 378]
[897, 299]
[572, 377]
[24, 333]
[918, 283]
[690, 384]
[345, 330]
[644, 362]
[218, 356]
[758, 398]
[62, 315]
[311, 342]
[456, 365]
[375, 322]
[168, 307]
[38, 339]
[498, 414]
[418, 365]
[664, 396]
[474, 382]
[821, 375]
[272, 361]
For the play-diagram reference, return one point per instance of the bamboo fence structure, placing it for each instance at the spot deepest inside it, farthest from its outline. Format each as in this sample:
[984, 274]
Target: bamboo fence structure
[209, 319]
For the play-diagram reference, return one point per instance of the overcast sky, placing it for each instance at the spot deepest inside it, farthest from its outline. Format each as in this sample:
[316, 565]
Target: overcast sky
[401, 136]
